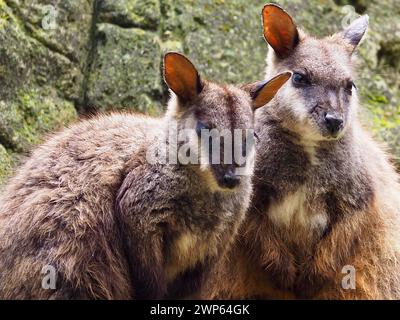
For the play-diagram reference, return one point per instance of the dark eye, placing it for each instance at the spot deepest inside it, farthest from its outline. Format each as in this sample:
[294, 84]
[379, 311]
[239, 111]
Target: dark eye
[300, 79]
[201, 126]
[349, 87]
[256, 136]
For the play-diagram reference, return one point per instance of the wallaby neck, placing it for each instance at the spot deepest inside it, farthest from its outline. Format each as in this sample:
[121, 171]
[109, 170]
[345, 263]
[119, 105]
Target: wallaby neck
[341, 148]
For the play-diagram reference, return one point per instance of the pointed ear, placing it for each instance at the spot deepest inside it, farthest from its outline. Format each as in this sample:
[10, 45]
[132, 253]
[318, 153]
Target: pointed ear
[355, 31]
[279, 30]
[262, 92]
[181, 76]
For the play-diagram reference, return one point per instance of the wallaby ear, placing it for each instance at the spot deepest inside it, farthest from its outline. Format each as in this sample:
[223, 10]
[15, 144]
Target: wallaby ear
[262, 92]
[355, 31]
[279, 30]
[181, 76]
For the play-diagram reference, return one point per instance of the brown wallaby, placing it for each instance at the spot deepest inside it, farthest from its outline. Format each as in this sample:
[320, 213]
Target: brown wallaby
[90, 206]
[323, 222]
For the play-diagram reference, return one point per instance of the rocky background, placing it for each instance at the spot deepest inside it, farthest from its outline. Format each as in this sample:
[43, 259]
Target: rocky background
[61, 59]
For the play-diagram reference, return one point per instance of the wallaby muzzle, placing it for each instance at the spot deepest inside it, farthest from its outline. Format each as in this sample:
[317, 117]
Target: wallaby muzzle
[230, 180]
[334, 124]
[226, 176]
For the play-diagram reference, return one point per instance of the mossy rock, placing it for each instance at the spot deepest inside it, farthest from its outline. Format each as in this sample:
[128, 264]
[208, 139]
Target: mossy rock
[30, 115]
[223, 38]
[220, 37]
[27, 62]
[144, 14]
[38, 85]
[125, 73]
[5, 165]
[61, 25]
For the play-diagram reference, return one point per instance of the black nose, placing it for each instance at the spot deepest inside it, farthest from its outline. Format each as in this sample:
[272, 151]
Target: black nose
[231, 180]
[333, 123]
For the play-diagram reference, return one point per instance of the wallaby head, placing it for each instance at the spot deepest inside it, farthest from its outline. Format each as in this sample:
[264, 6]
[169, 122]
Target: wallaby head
[209, 113]
[321, 100]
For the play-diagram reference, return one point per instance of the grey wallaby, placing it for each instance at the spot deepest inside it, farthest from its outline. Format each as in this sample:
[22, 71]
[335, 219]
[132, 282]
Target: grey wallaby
[324, 217]
[113, 225]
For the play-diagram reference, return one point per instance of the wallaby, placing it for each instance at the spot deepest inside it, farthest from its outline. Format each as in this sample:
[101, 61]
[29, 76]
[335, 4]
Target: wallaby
[323, 222]
[90, 209]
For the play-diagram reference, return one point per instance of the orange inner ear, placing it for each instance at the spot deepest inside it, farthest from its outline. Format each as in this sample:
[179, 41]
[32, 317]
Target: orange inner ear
[279, 30]
[268, 92]
[181, 76]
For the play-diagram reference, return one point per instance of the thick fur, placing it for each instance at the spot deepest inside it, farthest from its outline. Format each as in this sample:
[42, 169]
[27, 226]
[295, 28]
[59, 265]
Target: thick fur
[58, 210]
[112, 225]
[319, 203]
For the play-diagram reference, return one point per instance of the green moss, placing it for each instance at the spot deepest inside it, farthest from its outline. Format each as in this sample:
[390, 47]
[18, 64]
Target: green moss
[126, 70]
[223, 38]
[33, 113]
[38, 83]
[62, 26]
[44, 111]
[384, 120]
[131, 13]
[4, 17]
[14, 132]
[5, 165]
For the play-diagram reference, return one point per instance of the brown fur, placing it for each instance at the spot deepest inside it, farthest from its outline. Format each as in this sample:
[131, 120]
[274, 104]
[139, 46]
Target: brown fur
[320, 202]
[114, 226]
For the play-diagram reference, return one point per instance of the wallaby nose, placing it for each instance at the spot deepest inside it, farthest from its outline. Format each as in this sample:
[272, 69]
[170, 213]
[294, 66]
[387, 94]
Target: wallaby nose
[231, 180]
[333, 123]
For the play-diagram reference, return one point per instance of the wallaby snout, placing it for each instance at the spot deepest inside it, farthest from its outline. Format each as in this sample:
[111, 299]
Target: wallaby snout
[227, 176]
[334, 123]
[329, 118]
[230, 179]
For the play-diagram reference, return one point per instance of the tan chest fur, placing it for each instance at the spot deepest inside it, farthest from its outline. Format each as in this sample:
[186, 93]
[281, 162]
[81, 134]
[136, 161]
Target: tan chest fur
[187, 251]
[295, 209]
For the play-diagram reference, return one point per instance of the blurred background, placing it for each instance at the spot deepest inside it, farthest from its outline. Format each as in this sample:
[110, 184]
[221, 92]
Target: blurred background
[63, 59]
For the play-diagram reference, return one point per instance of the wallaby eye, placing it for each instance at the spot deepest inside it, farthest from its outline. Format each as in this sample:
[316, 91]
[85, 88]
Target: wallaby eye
[300, 79]
[349, 87]
[201, 126]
